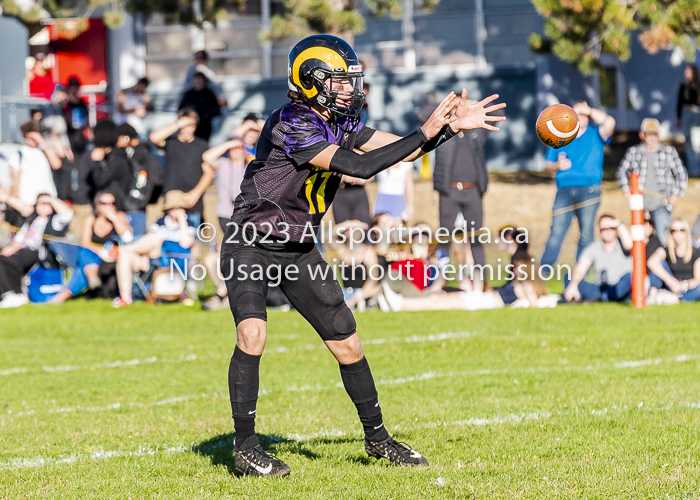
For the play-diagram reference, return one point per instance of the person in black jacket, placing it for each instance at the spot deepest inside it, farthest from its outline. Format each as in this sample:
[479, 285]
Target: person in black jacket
[110, 171]
[204, 102]
[146, 177]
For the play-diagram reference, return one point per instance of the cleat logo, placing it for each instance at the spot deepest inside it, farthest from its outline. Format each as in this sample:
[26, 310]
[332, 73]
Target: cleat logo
[415, 454]
[262, 470]
[251, 412]
[379, 427]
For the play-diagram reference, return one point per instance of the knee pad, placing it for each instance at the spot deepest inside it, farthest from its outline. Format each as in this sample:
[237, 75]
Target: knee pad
[343, 323]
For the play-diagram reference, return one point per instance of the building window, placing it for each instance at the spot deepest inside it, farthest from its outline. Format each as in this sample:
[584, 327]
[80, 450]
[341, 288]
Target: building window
[607, 85]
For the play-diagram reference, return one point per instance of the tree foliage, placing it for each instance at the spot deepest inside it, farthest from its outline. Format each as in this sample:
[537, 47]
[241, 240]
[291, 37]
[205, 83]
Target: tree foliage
[579, 31]
[340, 17]
[114, 11]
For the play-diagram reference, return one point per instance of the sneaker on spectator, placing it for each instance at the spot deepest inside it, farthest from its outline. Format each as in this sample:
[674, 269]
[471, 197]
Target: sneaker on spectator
[11, 299]
[389, 300]
[119, 302]
[666, 298]
[215, 303]
[94, 283]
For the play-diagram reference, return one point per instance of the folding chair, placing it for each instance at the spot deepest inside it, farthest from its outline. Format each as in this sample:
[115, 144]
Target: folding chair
[164, 280]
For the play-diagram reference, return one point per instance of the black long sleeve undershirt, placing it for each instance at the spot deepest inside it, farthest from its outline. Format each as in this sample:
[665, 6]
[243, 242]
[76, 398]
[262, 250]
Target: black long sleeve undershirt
[366, 165]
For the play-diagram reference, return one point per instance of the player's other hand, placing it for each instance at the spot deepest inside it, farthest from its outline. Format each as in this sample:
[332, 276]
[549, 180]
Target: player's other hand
[441, 116]
[471, 115]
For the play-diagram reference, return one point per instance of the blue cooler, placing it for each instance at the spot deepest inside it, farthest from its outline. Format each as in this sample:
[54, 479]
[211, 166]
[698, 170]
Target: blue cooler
[43, 284]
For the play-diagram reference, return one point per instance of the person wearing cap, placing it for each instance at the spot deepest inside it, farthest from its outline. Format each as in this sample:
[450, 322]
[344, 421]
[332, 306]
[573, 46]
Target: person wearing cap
[662, 177]
[173, 226]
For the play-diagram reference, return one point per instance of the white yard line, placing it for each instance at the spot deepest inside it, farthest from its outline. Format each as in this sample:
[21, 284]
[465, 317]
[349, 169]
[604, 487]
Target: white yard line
[150, 450]
[682, 358]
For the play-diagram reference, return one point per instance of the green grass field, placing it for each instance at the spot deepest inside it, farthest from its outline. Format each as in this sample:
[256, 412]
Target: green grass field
[591, 401]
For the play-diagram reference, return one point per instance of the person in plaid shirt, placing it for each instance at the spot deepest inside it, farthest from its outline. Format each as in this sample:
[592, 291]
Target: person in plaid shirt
[662, 176]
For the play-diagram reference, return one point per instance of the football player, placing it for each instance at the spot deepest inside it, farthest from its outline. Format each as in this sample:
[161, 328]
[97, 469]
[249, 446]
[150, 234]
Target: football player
[305, 148]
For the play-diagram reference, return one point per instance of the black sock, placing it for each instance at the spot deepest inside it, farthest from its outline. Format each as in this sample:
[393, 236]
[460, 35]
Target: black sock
[359, 384]
[243, 386]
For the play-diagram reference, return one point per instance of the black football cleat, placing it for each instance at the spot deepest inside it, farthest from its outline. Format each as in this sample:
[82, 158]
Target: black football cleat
[257, 462]
[397, 453]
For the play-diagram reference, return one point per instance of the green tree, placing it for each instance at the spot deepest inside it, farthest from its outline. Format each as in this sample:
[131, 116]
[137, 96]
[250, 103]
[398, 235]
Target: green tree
[340, 17]
[72, 15]
[579, 31]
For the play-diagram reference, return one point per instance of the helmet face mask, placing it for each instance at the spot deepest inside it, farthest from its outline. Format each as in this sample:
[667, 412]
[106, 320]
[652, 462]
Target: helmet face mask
[341, 93]
[325, 69]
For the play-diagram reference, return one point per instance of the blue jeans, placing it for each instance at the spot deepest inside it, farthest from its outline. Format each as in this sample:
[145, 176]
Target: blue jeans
[566, 197]
[692, 295]
[605, 292]
[662, 222]
[137, 221]
[196, 219]
[65, 253]
[78, 281]
[690, 119]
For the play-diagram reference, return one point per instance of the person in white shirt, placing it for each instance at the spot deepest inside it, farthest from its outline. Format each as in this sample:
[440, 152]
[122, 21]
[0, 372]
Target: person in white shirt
[201, 58]
[133, 104]
[49, 216]
[32, 164]
[395, 191]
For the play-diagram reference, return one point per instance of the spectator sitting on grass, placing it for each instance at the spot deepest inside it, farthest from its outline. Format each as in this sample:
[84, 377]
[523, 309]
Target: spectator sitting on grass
[529, 290]
[102, 229]
[173, 227]
[359, 268]
[49, 216]
[679, 266]
[611, 261]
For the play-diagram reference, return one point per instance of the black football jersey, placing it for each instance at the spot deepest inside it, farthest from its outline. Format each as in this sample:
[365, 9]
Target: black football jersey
[281, 193]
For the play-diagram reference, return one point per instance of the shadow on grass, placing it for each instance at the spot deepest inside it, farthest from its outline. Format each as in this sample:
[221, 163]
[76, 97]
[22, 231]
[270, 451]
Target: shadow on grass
[219, 449]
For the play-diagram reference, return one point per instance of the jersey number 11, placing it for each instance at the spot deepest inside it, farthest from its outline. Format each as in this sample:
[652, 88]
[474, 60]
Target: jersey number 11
[316, 190]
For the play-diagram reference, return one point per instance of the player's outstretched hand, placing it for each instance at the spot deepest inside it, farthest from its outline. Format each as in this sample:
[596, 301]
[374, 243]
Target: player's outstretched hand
[442, 115]
[470, 114]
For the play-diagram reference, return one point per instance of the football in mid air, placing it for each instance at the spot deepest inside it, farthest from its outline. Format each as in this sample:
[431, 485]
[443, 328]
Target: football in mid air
[557, 125]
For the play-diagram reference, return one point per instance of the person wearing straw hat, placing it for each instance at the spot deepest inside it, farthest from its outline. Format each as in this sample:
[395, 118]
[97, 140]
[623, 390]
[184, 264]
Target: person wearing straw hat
[662, 176]
[174, 226]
